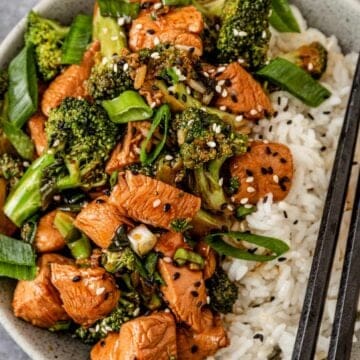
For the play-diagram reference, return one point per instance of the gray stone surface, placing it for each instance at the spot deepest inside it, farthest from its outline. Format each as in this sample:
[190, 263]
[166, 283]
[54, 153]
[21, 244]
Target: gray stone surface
[14, 11]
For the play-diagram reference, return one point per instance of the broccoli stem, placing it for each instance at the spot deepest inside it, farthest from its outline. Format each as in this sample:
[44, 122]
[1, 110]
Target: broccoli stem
[81, 248]
[25, 200]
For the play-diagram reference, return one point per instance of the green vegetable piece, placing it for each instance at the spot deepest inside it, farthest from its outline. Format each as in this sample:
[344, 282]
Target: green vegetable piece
[296, 81]
[129, 106]
[25, 199]
[77, 40]
[282, 18]
[17, 259]
[243, 211]
[150, 263]
[112, 37]
[276, 246]
[182, 256]
[176, 2]
[163, 115]
[180, 225]
[63, 222]
[60, 326]
[119, 8]
[23, 88]
[81, 248]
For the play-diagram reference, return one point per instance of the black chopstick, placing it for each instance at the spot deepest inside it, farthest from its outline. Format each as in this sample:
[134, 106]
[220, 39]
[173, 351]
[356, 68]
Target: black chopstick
[346, 306]
[310, 320]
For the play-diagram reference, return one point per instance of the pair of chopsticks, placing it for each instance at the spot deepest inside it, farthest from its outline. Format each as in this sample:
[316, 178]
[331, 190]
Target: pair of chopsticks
[310, 320]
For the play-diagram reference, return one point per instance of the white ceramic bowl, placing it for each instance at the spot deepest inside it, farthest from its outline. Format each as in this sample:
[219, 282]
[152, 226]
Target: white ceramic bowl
[331, 16]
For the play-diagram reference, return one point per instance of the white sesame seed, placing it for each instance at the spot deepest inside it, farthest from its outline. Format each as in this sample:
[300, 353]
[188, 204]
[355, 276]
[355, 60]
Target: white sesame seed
[114, 38]
[217, 27]
[222, 108]
[153, 104]
[158, 6]
[221, 83]
[221, 181]
[218, 89]
[138, 26]
[310, 66]
[243, 33]
[156, 41]
[214, 126]
[239, 118]
[211, 144]
[56, 143]
[276, 179]
[221, 69]
[104, 61]
[190, 122]
[188, 90]
[208, 299]
[241, 61]
[136, 312]
[155, 55]
[250, 179]
[100, 291]
[171, 89]
[169, 157]
[264, 34]
[236, 32]
[233, 199]
[244, 201]
[206, 74]
[26, 164]
[248, 206]
[253, 112]
[156, 203]
[126, 67]
[250, 189]
[224, 93]
[57, 197]
[265, 141]
[218, 129]
[230, 207]
[115, 67]
[121, 21]
[167, 310]
[259, 108]
[167, 259]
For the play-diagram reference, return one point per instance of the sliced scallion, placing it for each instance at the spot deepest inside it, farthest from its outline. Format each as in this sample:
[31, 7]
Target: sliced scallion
[282, 18]
[119, 8]
[23, 88]
[296, 81]
[243, 211]
[77, 40]
[182, 256]
[129, 106]
[162, 115]
[17, 259]
[277, 247]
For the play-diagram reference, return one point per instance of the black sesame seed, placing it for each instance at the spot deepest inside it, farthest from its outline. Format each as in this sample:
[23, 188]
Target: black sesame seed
[289, 122]
[295, 222]
[150, 31]
[197, 284]
[283, 187]
[310, 116]
[327, 112]
[167, 207]
[234, 98]
[106, 295]
[261, 137]
[154, 87]
[265, 199]
[276, 113]
[281, 259]
[183, 97]
[264, 171]
[270, 128]
[76, 278]
[268, 150]
[248, 149]
[191, 50]
[354, 163]
[323, 148]
[218, 73]
[224, 206]
[227, 82]
[252, 251]
[259, 336]
[275, 154]
[194, 293]
[270, 170]
[283, 161]
[99, 201]
[249, 172]
[285, 214]
[279, 100]
[176, 275]
[286, 108]
[272, 298]
[194, 349]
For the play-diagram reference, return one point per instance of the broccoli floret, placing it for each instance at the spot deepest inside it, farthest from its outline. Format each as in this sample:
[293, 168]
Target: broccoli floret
[80, 139]
[204, 222]
[127, 308]
[203, 137]
[123, 260]
[244, 33]
[4, 83]
[48, 37]
[312, 58]
[223, 293]
[11, 169]
[180, 225]
[107, 81]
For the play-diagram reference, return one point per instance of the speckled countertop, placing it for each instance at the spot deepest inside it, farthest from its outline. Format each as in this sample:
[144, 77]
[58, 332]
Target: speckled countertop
[14, 10]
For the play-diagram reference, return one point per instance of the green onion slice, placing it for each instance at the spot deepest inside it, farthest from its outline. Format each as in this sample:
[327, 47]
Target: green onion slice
[162, 115]
[282, 18]
[296, 81]
[77, 40]
[182, 256]
[23, 87]
[81, 248]
[243, 211]
[276, 246]
[17, 259]
[119, 8]
[112, 37]
[129, 106]
[176, 2]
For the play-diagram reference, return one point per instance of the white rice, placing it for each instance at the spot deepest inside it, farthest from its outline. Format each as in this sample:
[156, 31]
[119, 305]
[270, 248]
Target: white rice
[271, 295]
